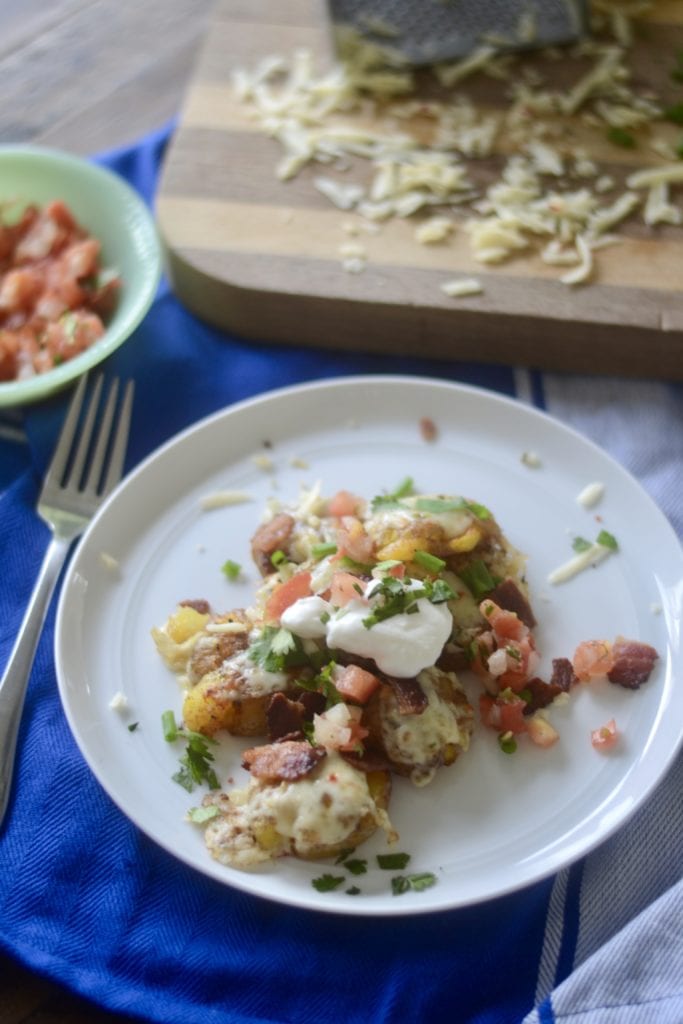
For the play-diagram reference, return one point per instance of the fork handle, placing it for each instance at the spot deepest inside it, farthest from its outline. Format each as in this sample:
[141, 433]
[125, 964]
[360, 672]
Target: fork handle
[16, 676]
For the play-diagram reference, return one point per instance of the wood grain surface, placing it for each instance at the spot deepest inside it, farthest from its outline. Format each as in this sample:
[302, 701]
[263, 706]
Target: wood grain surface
[85, 76]
[261, 256]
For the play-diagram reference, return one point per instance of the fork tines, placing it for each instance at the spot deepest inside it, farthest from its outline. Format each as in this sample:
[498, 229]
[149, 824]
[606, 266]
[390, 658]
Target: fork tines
[96, 464]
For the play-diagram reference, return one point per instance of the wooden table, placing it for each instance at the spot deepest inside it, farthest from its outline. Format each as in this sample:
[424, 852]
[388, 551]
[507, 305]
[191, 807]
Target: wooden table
[84, 76]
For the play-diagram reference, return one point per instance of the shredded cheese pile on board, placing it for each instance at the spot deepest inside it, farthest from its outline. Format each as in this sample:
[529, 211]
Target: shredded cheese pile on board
[550, 196]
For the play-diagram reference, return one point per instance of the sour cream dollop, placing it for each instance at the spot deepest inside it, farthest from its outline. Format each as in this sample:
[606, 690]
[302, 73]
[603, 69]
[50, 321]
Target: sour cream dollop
[401, 645]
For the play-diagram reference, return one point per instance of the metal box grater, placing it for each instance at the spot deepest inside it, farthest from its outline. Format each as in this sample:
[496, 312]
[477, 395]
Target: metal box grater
[430, 31]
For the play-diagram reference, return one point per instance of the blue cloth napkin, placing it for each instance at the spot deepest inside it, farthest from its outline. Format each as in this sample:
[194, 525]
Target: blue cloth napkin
[91, 902]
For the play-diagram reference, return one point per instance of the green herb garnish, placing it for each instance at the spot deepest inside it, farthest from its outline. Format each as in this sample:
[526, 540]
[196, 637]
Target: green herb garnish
[196, 761]
[580, 544]
[231, 570]
[352, 891]
[439, 505]
[397, 599]
[478, 579]
[326, 883]
[620, 137]
[133, 726]
[199, 815]
[404, 489]
[393, 861]
[323, 550]
[356, 866]
[416, 883]
[606, 540]
[429, 562]
[507, 743]
[276, 649]
[277, 558]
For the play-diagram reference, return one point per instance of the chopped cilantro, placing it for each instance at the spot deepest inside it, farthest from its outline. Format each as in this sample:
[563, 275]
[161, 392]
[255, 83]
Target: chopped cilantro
[323, 550]
[352, 891]
[405, 488]
[393, 861]
[356, 866]
[133, 726]
[276, 649]
[429, 562]
[416, 883]
[580, 544]
[344, 854]
[326, 883]
[606, 540]
[397, 599]
[323, 683]
[620, 137]
[199, 815]
[231, 570]
[477, 578]
[526, 695]
[196, 761]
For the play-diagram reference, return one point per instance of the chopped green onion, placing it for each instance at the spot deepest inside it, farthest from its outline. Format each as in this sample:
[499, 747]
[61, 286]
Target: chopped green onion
[429, 562]
[404, 489]
[393, 861]
[507, 743]
[477, 579]
[416, 883]
[231, 569]
[323, 550]
[168, 724]
[199, 815]
[277, 558]
[580, 544]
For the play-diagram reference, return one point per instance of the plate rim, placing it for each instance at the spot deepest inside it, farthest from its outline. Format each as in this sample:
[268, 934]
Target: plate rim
[556, 862]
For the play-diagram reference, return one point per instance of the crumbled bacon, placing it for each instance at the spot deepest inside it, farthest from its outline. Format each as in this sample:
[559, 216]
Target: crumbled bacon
[285, 718]
[428, 430]
[563, 675]
[633, 662]
[507, 595]
[269, 538]
[199, 605]
[282, 762]
[410, 696]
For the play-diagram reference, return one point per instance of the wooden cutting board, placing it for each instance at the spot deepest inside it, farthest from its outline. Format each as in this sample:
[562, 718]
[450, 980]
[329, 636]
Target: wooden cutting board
[261, 257]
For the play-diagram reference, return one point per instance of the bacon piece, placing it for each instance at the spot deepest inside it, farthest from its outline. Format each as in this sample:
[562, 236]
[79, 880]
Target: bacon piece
[633, 663]
[199, 605]
[269, 538]
[368, 761]
[542, 693]
[563, 675]
[507, 595]
[410, 696]
[285, 718]
[283, 762]
[453, 659]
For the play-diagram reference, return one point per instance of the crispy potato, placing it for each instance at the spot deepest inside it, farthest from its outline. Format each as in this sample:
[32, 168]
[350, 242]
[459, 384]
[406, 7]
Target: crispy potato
[208, 707]
[379, 784]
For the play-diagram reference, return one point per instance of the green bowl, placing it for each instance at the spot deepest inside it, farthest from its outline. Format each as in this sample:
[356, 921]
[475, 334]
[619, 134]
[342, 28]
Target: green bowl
[114, 214]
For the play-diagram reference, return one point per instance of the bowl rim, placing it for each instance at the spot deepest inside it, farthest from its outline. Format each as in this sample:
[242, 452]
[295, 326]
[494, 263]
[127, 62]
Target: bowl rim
[20, 392]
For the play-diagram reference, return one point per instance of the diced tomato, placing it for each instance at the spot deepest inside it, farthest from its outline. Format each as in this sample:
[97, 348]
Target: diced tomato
[398, 571]
[352, 540]
[606, 736]
[503, 715]
[542, 733]
[345, 587]
[285, 594]
[343, 503]
[592, 658]
[355, 683]
[506, 625]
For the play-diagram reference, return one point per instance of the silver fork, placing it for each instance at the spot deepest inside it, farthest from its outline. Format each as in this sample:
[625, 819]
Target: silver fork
[83, 471]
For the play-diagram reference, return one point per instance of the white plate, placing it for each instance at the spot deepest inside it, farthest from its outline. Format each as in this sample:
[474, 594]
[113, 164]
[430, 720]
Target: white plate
[493, 822]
